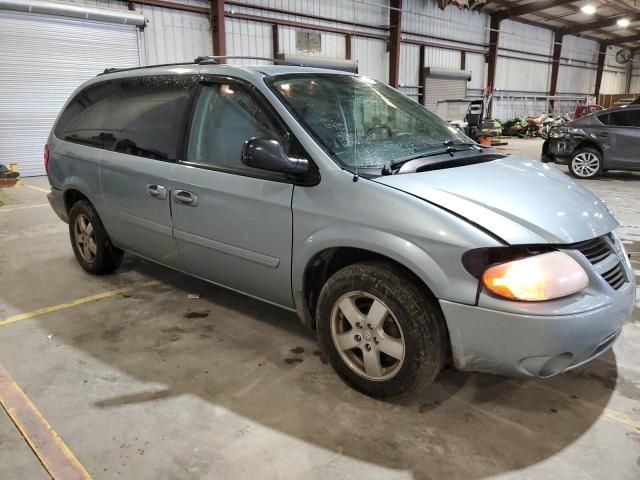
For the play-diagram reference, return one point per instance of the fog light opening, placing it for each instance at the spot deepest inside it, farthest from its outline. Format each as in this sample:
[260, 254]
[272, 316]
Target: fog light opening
[555, 365]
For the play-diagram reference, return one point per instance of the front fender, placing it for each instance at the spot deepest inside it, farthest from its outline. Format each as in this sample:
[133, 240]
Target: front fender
[392, 246]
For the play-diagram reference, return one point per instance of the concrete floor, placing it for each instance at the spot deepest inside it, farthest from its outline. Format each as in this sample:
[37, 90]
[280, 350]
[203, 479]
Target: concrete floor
[151, 384]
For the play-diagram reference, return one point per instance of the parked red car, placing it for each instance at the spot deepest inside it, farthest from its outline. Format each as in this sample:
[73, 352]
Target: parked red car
[583, 110]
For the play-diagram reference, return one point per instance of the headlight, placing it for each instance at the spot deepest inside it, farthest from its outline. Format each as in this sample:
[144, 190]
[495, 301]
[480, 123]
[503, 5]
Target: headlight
[557, 132]
[540, 277]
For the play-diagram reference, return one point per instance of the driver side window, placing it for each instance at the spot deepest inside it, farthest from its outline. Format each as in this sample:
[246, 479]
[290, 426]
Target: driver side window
[227, 114]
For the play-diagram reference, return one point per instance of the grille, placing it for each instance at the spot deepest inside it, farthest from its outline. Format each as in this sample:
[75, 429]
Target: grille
[595, 250]
[615, 277]
[599, 250]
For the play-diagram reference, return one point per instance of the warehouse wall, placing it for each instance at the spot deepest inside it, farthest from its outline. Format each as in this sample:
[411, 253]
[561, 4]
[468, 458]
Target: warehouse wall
[451, 27]
[518, 71]
[578, 62]
[247, 37]
[614, 77]
[521, 77]
[170, 35]
[176, 35]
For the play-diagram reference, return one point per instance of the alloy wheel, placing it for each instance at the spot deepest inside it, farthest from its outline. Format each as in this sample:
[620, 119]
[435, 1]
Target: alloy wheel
[586, 164]
[367, 336]
[85, 238]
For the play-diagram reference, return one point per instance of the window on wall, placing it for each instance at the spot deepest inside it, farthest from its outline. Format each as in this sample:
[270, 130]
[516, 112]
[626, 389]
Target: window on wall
[142, 116]
[308, 41]
[226, 116]
[622, 118]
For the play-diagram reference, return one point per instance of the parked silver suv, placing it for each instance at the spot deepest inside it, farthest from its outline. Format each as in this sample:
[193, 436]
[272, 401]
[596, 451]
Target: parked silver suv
[401, 241]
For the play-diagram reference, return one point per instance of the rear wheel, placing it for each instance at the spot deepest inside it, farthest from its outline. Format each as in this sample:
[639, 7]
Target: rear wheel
[91, 244]
[586, 163]
[380, 330]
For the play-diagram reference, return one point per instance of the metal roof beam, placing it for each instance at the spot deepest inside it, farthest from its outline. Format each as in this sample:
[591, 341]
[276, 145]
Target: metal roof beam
[621, 40]
[596, 24]
[531, 7]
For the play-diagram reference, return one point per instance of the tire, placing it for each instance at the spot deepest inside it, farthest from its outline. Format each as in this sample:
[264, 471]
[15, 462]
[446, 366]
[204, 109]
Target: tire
[90, 242]
[586, 163]
[412, 328]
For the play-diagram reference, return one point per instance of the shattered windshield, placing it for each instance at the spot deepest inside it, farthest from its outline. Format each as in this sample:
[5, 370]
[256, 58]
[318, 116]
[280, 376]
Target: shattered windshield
[362, 122]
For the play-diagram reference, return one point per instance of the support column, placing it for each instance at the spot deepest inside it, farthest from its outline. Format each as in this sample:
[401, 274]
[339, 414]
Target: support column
[275, 40]
[463, 60]
[421, 78]
[395, 29]
[492, 57]
[630, 73]
[602, 55]
[555, 65]
[216, 18]
[348, 43]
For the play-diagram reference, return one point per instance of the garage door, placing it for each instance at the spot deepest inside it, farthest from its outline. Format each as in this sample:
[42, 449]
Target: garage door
[43, 58]
[444, 84]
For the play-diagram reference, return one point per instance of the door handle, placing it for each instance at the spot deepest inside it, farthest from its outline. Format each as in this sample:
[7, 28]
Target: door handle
[157, 191]
[185, 198]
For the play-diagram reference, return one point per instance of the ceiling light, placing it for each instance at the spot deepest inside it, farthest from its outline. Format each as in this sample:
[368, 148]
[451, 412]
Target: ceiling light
[623, 22]
[588, 9]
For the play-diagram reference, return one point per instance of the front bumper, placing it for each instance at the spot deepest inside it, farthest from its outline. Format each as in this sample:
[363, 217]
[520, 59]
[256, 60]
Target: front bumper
[558, 150]
[515, 344]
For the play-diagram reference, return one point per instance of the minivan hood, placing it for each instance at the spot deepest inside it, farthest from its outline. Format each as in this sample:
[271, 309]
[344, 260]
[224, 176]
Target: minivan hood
[520, 201]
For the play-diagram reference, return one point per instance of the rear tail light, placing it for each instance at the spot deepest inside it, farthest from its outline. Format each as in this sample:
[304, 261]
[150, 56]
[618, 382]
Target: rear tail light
[46, 157]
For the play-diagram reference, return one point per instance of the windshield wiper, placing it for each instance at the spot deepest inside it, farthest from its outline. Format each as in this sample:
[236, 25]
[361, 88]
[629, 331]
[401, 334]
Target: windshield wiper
[449, 145]
[458, 143]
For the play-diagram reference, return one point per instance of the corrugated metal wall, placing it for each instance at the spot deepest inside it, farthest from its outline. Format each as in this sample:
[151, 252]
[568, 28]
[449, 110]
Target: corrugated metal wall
[521, 72]
[175, 35]
[372, 57]
[452, 23]
[247, 37]
[170, 35]
[449, 27]
[614, 77]
[578, 66]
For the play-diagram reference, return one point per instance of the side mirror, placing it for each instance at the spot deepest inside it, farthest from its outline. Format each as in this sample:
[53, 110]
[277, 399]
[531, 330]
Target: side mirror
[268, 154]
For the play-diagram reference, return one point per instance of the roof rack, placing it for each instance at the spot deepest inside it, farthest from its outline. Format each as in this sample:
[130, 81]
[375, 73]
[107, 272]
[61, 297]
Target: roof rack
[206, 59]
[112, 70]
[215, 58]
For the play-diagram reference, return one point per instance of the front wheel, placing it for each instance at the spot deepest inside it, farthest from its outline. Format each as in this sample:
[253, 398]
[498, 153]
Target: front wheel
[586, 163]
[382, 332]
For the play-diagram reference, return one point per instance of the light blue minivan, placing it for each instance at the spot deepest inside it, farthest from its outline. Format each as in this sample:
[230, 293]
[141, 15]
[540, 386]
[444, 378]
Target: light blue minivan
[405, 244]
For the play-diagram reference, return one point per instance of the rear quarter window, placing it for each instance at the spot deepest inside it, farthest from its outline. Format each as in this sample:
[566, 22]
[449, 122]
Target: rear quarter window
[141, 116]
[621, 118]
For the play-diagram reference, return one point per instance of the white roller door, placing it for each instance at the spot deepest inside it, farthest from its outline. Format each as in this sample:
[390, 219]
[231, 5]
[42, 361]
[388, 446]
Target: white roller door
[443, 84]
[438, 89]
[43, 59]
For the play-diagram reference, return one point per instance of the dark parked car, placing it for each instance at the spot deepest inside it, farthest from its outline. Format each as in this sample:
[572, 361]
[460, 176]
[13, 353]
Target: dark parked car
[606, 140]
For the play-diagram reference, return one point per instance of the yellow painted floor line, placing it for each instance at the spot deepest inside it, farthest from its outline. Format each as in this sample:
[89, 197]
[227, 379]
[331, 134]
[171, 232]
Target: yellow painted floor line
[37, 188]
[73, 303]
[53, 453]
[11, 209]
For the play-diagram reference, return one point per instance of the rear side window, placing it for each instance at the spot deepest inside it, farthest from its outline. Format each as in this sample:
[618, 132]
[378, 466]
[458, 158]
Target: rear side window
[622, 118]
[142, 116]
